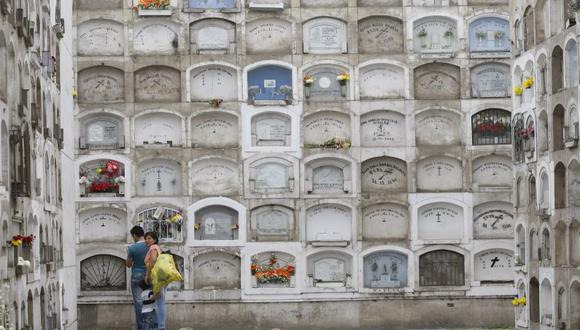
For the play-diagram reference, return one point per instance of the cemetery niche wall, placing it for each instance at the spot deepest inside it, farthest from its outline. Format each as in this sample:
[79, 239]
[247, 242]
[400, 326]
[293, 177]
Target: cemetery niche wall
[214, 176]
[214, 130]
[102, 178]
[102, 273]
[324, 35]
[269, 35]
[489, 34]
[159, 178]
[271, 129]
[272, 223]
[271, 176]
[384, 174]
[492, 171]
[437, 127]
[329, 225]
[101, 131]
[217, 223]
[323, 126]
[385, 221]
[435, 34]
[439, 173]
[328, 176]
[440, 221]
[437, 81]
[490, 80]
[329, 269]
[382, 128]
[494, 266]
[101, 85]
[102, 225]
[385, 271]
[381, 81]
[493, 220]
[157, 84]
[273, 270]
[216, 270]
[269, 83]
[155, 129]
[200, 5]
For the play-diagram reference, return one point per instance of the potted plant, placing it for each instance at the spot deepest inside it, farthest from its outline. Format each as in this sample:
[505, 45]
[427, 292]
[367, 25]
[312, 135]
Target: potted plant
[253, 91]
[480, 37]
[423, 38]
[153, 8]
[287, 92]
[499, 38]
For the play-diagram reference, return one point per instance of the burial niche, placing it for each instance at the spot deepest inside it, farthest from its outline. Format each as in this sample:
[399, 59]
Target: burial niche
[102, 131]
[216, 270]
[102, 225]
[323, 126]
[491, 126]
[385, 221]
[329, 225]
[437, 81]
[214, 176]
[329, 270]
[271, 175]
[489, 34]
[272, 223]
[156, 36]
[269, 82]
[102, 178]
[101, 37]
[216, 222]
[101, 84]
[92, 5]
[213, 36]
[273, 270]
[385, 270]
[271, 129]
[324, 35]
[490, 80]
[103, 272]
[440, 221]
[492, 171]
[158, 128]
[328, 176]
[380, 35]
[441, 268]
[382, 128]
[213, 82]
[384, 174]
[494, 266]
[166, 221]
[493, 220]
[214, 130]
[224, 5]
[381, 81]
[435, 34]
[326, 86]
[269, 35]
[439, 173]
[157, 84]
[438, 127]
[159, 177]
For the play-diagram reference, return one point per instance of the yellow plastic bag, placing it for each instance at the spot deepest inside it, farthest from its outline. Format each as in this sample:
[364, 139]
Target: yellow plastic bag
[164, 272]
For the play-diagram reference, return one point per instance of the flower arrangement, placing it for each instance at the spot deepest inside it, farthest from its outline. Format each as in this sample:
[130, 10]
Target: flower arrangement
[197, 226]
[308, 80]
[518, 91]
[153, 4]
[499, 34]
[107, 179]
[526, 132]
[480, 34]
[519, 301]
[491, 127]
[18, 240]
[343, 78]
[216, 103]
[176, 218]
[272, 272]
[528, 83]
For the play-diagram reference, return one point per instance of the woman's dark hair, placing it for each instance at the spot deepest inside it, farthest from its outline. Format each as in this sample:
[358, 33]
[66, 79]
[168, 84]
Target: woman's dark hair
[153, 235]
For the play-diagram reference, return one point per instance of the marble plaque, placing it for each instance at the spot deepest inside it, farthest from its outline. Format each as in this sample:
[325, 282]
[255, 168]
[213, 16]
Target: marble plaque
[327, 179]
[382, 81]
[489, 34]
[101, 37]
[215, 223]
[380, 35]
[270, 35]
[323, 126]
[385, 221]
[103, 131]
[102, 225]
[490, 80]
[493, 220]
[437, 81]
[272, 222]
[271, 175]
[384, 174]
[158, 128]
[492, 171]
[324, 36]
[439, 174]
[158, 84]
[271, 129]
[328, 222]
[216, 271]
[214, 177]
[211, 35]
[159, 178]
[325, 86]
[99, 5]
[156, 36]
[435, 34]
[437, 127]
[494, 265]
[385, 270]
[382, 128]
[215, 130]
[440, 221]
[329, 270]
[102, 84]
[212, 4]
[214, 82]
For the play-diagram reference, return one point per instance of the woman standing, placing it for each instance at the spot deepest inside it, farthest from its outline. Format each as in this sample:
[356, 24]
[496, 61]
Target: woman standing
[153, 252]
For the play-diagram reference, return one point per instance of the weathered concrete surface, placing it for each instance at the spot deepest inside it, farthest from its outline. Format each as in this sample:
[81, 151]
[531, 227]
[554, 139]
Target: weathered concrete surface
[389, 314]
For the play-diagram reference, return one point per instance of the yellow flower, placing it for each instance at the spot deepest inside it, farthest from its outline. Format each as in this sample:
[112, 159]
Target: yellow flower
[343, 77]
[518, 90]
[528, 83]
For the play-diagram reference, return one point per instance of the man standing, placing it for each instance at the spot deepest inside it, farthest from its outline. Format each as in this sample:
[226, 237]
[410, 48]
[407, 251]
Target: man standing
[136, 261]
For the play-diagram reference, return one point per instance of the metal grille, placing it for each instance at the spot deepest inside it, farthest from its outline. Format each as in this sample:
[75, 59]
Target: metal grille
[491, 127]
[103, 273]
[159, 220]
[518, 141]
[441, 268]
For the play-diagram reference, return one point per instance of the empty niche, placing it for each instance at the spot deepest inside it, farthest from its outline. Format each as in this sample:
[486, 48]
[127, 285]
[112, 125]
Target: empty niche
[269, 82]
[492, 171]
[216, 270]
[217, 223]
[99, 5]
[272, 223]
[102, 84]
[159, 178]
[328, 176]
[101, 131]
[435, 34]
[384, 174]
[214, 176]
[158, 128]
[269, 35]
[271, 175]
[381, 81]
[324, 3]
[440, 221]
[329, 225]
[101, 37]
[380, 35]
[102, 225]
[494, 265]
[264, 264]
[103, 272]
[437, 81]
[385, 270]
[493, 220]
[385, 221]
[157, 84]
[213, 82]
[437, 127]
[326, 86]
[329, 269]
[213, 36]
[271, 129]
[324, 35]
[489, 34]
[490, 80]
[325, 125]
[439, 173]
[156, 36]
[214, 130]
[382, 128]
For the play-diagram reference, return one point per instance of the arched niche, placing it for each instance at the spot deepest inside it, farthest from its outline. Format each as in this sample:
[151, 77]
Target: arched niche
[557, 69]
[158, 128]
[269, 35]
[216, 270]
[489, 34]
[158, 177]
[437, 81]
[382, 128]
[560, 186]
[435, 34]
[329, 225]
[100, 37]
[216, 223]
[543, 133]
[214, 130]
[213, 82]
[491, 126]
[439, 173]
[490, 80]
[166, 220]
[542, 70]
[328, 176]
[324, 35]
[385, 270]
[560, 244]
[99, 178]
[3, 68]
[269, 82]
[214, 176]
[518, 140]
[440, 221]
[155, 36]
[325, 125]
[329, 269]
[382, 81]
[492, 171]
[385, 221]
[575, 304]
[157, 84]
[493, 220]
[546, 303]
[558, 142]
[441, 268]
[272, 223]
[380, 35]
[262, 264]
[528, 29]
[101, 131]
[271, 175]
[91, 5]
[271, 129]
[520, 245]
[213, 36]
[438, 127]
[102, 225]
[573, 181]
[384, 174]
[102, 84]
[494, 266]
[544, 191]
[325, 87]
[571, 64]
[103, 272]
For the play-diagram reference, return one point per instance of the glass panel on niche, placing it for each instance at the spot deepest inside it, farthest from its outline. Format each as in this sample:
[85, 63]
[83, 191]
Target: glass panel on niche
[158, 129]
[165, 221]
[159, 178]
[273, 270]
[216, 223]
[270, 82]
[492, 126]
[102, 178]
[103, 273]
[325, 87]
[271, 129]
[489, 34]
[212, 4]
[385, 270]
[435, 34]
[102, 132]
[330, 269]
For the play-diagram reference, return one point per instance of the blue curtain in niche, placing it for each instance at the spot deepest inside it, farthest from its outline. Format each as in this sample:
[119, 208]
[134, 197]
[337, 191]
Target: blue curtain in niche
[270, 82]
[489, 34]
[212, 4]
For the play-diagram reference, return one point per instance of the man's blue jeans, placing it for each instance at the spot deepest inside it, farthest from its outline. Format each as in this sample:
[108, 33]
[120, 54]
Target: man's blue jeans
[136, 279]
[161, 309]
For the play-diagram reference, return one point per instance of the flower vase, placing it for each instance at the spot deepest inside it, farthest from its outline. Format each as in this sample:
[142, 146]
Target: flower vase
[121, 189]
[83, 189]
[307, 91]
